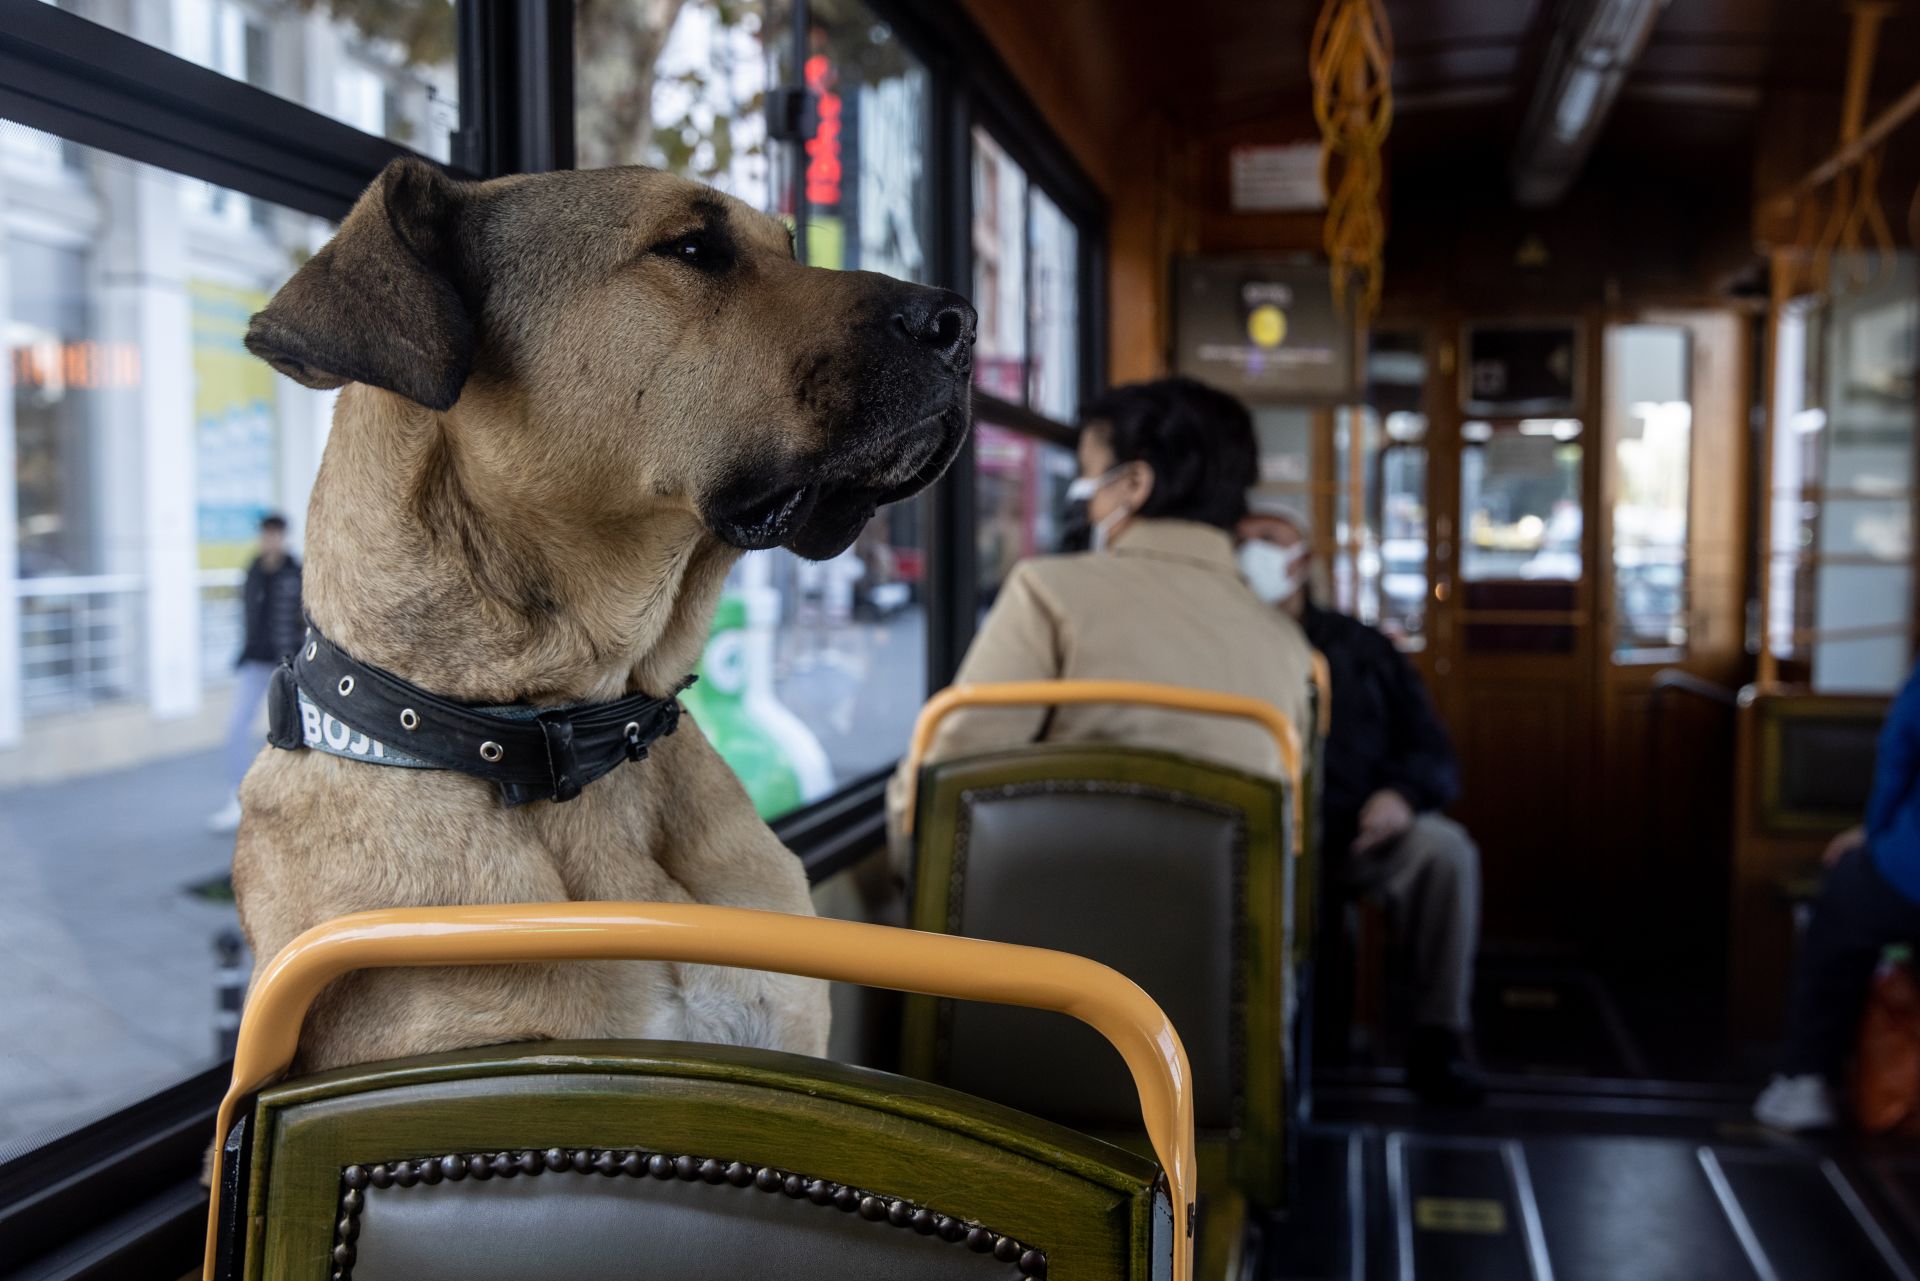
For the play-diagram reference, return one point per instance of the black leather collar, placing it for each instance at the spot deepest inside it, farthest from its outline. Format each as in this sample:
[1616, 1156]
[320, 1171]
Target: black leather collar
[530, 753]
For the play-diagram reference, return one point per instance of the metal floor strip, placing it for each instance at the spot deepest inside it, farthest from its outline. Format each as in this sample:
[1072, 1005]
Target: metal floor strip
[1537, 1256]
[1356, 1206]
[1397, 1198]
[1868, 1221]
[1736, 1216]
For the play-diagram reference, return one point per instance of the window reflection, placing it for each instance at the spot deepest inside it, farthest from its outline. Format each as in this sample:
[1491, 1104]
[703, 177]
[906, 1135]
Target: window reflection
[1020, 487]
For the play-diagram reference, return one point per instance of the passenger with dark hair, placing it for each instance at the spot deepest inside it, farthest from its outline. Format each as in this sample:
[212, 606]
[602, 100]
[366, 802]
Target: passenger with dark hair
[271, 625]
[1164, 471]
[1390, 770]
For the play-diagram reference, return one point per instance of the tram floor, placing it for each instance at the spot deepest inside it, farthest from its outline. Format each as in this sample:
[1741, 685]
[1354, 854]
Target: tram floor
[1547, 1199]
[1616, 1142]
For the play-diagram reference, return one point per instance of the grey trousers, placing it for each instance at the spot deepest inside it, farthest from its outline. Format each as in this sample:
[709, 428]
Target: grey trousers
[1429, 883]
[244, 738]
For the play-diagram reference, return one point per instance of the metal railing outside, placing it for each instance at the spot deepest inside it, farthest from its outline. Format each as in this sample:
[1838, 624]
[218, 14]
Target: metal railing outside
[222, 624]
[80, 641]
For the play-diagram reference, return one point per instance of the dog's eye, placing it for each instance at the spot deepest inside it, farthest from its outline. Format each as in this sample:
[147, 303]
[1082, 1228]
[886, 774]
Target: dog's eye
[696, 249]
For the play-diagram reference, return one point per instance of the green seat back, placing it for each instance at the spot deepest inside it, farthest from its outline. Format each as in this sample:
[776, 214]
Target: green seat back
[1172, 871]
[696, 1162]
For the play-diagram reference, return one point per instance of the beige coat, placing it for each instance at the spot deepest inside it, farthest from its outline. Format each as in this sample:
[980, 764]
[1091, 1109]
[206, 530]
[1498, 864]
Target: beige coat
[1166, 603]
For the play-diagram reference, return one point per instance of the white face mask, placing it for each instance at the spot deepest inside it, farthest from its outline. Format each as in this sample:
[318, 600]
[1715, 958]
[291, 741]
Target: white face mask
[1083, 489]
[1275, 573]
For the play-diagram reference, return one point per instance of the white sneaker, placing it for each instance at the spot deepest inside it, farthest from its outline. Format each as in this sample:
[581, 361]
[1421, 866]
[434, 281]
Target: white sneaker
[226, 819]
[1797, 1103]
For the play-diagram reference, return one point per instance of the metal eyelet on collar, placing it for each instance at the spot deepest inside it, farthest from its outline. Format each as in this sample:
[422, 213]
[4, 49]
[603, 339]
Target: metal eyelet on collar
[491, 752]
[346, 686]
[313, 648]
[409, 719]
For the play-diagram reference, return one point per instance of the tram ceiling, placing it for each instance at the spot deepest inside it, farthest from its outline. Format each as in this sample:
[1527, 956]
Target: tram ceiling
[1465, 72]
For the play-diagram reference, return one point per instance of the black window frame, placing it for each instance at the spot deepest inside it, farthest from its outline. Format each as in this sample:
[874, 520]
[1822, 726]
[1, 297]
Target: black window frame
[121, 1193]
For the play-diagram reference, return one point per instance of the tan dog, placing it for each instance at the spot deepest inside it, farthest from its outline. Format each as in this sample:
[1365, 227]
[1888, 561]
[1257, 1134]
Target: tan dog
[575, 399]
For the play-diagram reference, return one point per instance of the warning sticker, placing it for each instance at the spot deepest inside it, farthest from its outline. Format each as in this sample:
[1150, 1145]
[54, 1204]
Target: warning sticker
[1459, 1214]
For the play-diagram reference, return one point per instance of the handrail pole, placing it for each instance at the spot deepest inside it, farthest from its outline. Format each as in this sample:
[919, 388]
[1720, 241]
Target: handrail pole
[1058, 693]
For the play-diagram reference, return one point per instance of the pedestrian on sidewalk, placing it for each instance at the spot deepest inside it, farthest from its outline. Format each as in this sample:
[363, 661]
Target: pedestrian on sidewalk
[273, 622]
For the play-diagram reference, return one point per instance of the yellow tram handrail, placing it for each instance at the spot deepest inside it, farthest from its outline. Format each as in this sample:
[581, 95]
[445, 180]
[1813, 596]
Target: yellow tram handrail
[811, 947]
[1179, 698]
[1322, 681]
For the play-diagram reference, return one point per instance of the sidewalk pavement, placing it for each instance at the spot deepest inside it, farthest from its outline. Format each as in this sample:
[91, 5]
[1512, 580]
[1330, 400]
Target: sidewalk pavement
[109, 956]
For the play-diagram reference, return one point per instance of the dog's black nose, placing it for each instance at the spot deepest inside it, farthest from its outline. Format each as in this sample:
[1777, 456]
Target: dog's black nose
[938, 319]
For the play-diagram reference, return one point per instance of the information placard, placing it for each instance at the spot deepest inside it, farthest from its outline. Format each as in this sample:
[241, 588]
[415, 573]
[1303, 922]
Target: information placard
[1264, 329]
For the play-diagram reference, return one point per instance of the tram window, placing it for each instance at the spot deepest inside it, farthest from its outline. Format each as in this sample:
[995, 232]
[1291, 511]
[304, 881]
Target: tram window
[687, 99]
[813, 671]
[388, 68]
[1020, 486]
[1054, 374]
[1399, 495]
[866, 188]
[148, 444]
[1520, 498]
[999, 270]
[1650, 430]
[1843, 480]
[1385, 583]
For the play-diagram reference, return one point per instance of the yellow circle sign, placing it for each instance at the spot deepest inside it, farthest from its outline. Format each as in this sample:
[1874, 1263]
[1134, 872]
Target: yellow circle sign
[1267, 325]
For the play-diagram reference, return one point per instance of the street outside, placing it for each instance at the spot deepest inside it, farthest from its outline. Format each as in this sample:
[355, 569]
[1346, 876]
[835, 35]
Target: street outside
[109, 955]
[110, 951]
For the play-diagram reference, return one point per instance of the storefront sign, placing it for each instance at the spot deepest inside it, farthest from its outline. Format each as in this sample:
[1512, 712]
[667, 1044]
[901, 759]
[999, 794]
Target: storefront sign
[53, 367]
[823, 149]
[236, 459]
[1263, 329]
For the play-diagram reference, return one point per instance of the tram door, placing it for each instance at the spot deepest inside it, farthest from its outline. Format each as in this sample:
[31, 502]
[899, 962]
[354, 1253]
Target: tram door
[1540, 539]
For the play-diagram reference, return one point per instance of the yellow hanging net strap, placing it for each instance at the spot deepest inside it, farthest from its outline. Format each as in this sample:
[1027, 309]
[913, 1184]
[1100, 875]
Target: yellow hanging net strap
[1350, 62]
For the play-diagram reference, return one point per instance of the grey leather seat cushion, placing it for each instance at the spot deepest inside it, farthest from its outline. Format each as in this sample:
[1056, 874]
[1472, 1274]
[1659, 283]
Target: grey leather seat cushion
[1138, 880]
[589, 1225]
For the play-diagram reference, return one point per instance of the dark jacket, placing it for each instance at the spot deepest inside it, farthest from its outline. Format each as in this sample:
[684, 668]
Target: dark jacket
[270, 609]
[1385, 732]
[1893, 814]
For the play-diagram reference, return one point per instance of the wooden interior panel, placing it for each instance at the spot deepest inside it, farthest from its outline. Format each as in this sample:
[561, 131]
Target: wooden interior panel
[1518, 744]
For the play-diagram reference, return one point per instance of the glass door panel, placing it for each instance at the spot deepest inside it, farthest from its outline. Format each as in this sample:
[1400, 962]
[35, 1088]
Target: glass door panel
[1649, 453]
[1522, 520]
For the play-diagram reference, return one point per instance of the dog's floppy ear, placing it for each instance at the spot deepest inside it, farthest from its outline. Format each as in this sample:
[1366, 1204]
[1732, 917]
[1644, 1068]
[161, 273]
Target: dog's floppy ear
[381, 303]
